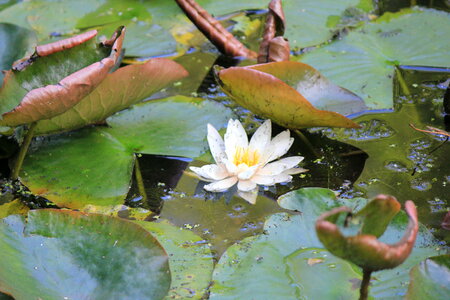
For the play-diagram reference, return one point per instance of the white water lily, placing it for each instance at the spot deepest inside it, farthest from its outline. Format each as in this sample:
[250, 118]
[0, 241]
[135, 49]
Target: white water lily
[248, 164]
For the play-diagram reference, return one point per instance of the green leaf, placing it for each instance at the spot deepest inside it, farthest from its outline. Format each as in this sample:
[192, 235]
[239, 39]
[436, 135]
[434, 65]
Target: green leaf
[118, 91]
[15, 41]
[364, 60]
[103, 157]
[56, 254]
[190, 259]
[313, 22]
[270, 97]
[56, 77]
[266, 266]
[430, 279]
[172, 126]
[103, 169]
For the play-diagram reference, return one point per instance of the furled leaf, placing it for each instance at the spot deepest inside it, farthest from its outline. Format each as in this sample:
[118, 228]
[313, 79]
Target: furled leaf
[94, 165]
[430, 279]
[56, 77]
[270, 97]
[119, 90]
[15, 41]
[190, 259]
[364, 61]
[56, 254]
[268, 266]
[364, 249]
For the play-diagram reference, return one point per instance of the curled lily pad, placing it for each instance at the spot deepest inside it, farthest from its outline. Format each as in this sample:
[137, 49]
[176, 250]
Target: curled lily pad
[56, 77]
[119, 90]
[56, 254]
[267, 91]
[364, 249]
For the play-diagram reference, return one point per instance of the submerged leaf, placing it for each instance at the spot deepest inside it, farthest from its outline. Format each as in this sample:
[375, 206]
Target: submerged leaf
[270, 97]
[57, 254]
[56, 77]
[364, 249]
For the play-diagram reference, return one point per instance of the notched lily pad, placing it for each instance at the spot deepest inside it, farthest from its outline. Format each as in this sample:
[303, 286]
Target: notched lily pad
[56, 77]
[364, 249]
[256, 89]
[57, 254]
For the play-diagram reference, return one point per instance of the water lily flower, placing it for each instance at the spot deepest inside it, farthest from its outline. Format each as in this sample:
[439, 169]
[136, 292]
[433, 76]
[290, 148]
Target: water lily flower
[248, 164]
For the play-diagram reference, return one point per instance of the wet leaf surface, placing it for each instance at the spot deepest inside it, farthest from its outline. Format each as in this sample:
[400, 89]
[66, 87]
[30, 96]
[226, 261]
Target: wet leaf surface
[190, 259]
[286, 239]
[97, 257]
[364, 60]
[104, 156]
[430, 279]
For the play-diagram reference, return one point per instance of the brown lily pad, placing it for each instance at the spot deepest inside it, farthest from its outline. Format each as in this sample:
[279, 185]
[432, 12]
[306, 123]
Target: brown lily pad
[365, 250]
[56, 77]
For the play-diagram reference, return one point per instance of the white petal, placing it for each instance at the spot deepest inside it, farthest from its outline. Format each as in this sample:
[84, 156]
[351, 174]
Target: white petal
[214, 172]
[235, 137]
[295, 171]
[201, 173]
[261, 138]
[232, 168]
[216, 144]
[280, 166]
[271, 180]
[278, 146]
[221, 185]
[249, 172]
[249, 196]
[246, 185]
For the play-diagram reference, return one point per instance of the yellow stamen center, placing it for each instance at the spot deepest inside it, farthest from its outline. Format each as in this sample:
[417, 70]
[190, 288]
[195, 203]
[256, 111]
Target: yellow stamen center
[245, 156]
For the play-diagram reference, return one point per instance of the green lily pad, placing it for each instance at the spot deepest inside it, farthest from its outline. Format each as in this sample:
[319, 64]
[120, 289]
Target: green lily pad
[56, 254]
[313, 22]
[190, 259]
[118, 91]
[15, 41]
[104, 157]
[364, 61]
[267, 266]
[430, 279]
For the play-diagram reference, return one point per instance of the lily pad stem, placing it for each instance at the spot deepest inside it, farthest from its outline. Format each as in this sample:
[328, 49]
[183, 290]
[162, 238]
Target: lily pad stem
[364, 289]
[23, 151]
[307, 143]
[402, 82]
[139, 180]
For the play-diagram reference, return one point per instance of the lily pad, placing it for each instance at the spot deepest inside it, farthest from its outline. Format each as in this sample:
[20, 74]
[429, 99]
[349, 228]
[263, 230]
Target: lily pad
[430, 279]
[313, 22]
[67, 70]
[270, 97]
[15, 41]
[267, 266]
[190, 259]
[364, 61]
[118, 91]
[104, 156]
[56, 254]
